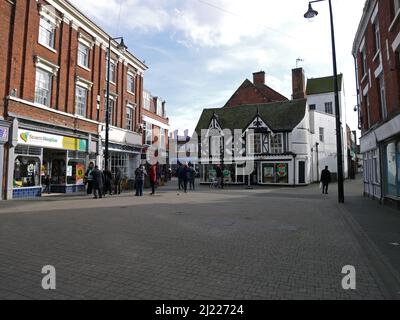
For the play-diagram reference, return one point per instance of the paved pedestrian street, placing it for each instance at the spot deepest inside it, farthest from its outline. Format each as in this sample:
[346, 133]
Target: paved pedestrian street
[264, 243]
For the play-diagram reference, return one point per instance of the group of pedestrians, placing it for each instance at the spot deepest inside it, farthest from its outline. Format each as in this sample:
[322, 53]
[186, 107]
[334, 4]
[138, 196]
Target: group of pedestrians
[99, 183]
[186, 174]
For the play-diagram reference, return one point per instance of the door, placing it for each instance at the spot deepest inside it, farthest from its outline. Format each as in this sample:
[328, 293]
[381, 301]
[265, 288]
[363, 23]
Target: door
[302, 172]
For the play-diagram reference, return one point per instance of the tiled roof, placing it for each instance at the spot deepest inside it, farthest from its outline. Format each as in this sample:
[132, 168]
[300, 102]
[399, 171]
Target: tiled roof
[279, 116]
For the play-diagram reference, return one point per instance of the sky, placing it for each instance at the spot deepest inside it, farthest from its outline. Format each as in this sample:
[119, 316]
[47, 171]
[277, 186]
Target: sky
[200, 51]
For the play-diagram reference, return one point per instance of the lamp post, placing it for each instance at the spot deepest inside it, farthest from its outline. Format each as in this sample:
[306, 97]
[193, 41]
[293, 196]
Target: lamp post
[311, 13]
[121, 47]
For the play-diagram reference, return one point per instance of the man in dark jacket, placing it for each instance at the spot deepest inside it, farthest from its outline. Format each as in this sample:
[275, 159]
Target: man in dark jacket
[98, 182]
[220, 176]
[184, 174]
[179, 174]
[118, 181]
[325, 180]
[108, 182]
[140, 174]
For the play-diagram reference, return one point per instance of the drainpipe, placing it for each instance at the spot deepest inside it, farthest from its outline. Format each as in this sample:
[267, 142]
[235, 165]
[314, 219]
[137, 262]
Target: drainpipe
[316, 146]
[294, 170]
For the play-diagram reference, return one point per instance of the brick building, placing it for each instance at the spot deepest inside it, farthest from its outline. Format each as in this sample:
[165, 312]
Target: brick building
[155, 124]
[53, 98]
[376, 51]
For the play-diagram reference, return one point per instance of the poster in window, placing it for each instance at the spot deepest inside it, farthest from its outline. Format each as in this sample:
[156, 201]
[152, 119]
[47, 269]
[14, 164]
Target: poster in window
[80, 173]
[268, 172]
[69, 171]
[281, 169]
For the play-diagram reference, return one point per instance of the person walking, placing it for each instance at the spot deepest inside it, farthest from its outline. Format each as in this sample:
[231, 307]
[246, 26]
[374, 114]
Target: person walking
[108, 182]
[185, 175]
[179, 174]
[89, 178]
[192, 176]
[98, 183]
[220, 176]
[153, 178]
[140, 174]
[47, 181]
[325, 180]
[118, 181]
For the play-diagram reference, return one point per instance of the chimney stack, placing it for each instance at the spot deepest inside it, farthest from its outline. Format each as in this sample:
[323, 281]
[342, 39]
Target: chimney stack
[259, 78]
[298, 84]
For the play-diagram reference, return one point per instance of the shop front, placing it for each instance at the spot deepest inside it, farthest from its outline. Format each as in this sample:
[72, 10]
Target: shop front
[208, 174]
[4, 135]
[50, 163]
[392, 170]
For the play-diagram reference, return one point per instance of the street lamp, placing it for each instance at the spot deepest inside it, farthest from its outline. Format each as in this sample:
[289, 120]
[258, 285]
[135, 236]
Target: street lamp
[311, 13]
[121, 47]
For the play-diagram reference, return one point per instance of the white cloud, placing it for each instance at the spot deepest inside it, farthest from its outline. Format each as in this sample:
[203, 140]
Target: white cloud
[210, 46]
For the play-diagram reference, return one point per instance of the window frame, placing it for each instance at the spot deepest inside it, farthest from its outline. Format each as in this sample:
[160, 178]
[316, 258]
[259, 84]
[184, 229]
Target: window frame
[329, 107]
[273, 148]
[49, 89]
[86, 61]
[50, 29]
[130, 120]
[130, 86]
[321, 133]
[79, 111]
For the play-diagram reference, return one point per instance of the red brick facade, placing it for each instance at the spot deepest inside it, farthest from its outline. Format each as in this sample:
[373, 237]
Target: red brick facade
[23, 30]
[389, 29]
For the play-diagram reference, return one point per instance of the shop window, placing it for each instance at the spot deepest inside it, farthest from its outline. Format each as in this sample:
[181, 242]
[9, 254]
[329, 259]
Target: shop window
[75, 171]
[275, 173]
[391, 169]
[26, 172]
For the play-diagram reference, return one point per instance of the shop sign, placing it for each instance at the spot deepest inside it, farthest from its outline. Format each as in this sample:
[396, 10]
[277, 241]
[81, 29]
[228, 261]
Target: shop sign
[3, 134]
[281, 169]
[46, 140]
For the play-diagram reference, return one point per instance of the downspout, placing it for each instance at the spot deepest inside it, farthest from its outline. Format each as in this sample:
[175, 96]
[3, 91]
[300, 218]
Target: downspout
[294, 170]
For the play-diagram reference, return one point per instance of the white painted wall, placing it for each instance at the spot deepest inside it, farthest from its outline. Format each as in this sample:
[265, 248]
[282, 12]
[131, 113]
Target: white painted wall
[327, 149]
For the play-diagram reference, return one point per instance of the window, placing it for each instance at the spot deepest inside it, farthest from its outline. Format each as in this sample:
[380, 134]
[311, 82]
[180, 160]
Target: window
[112, 70]
[148, 128]
[255, 143]
[382, 97]
[80, 101]
[328, 107]
[74, 171]
[129, 118]
[159, 107]
[396, 7]
[275, 173]
[377, 37]
[162, 139]
[277, 143]
[364, 61]
[111, 112]
[83, 55]
[367, 106]
[313, 106]
[43, 87]
[146, 100]
[321, 135]
[46, 33]
[131, 83]
[391, 169]
[26, 172]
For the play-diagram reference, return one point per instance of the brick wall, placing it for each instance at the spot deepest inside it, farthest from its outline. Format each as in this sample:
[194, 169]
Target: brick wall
[25, 46]
[390, 65]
